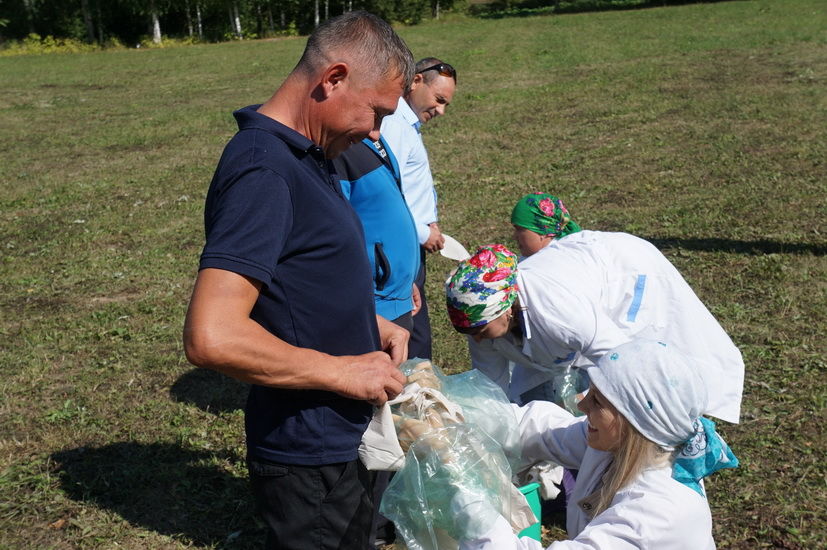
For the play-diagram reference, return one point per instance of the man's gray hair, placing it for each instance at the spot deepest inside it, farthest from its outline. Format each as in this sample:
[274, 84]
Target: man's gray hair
[364, 39]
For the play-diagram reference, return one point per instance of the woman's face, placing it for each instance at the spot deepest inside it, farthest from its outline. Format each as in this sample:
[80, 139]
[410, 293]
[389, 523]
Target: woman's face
[529, 241]
[497, 328]
[604, 431]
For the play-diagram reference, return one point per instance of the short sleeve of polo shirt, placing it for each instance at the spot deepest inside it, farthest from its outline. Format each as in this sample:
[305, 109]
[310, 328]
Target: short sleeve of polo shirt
[247, 225]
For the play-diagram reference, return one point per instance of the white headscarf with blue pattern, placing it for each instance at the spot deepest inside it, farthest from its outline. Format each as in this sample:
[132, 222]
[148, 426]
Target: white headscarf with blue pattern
[663, 397]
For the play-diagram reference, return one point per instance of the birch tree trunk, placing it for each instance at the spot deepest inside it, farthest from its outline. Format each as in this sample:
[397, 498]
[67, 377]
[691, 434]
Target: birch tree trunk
[189, 18]
[156, 23]
[326, 9]
[315, 13]
[198, 20]
[235, 20]
[156, 28]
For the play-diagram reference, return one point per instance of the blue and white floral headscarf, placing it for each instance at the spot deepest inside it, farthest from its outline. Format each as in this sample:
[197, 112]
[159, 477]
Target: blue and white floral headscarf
[663, 397]
[483, 287]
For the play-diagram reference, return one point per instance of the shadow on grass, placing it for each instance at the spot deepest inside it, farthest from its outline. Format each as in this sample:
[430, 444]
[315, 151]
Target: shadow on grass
[739, 247]
[166, 489]
[210, 391]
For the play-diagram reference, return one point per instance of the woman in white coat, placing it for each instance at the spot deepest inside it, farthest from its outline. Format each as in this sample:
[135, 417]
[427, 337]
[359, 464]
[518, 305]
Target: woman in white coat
[641, 450]
[538, 219]
[573, 301]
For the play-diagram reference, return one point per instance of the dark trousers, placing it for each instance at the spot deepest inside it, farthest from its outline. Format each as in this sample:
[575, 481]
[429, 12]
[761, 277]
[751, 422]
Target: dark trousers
[420, 343]
[405, 321]
[327, 507]
[382, 528]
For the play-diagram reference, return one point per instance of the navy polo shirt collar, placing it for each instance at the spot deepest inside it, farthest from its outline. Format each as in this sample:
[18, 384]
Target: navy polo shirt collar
[248, 118]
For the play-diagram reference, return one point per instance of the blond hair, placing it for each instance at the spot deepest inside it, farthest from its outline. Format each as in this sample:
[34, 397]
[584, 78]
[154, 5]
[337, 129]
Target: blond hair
[635, 454]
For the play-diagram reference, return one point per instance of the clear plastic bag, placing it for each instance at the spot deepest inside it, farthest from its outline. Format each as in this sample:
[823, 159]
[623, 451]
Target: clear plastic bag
[482, 402]
[569, 385]
[469, 450]
[438, 466]
[486, 407]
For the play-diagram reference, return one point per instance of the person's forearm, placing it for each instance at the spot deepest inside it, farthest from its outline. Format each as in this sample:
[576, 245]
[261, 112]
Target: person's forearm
[249, 353]
[219, 334]
[550, 433]
[243, 349]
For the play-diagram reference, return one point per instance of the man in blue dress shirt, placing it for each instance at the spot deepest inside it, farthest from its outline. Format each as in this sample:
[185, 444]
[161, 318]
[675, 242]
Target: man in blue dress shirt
[427, 97]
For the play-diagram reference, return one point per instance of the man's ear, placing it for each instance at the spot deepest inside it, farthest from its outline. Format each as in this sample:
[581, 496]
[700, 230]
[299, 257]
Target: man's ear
[416, 82]
[334, 77]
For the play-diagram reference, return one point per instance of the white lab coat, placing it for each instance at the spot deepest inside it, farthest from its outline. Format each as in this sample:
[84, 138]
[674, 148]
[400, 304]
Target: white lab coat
[592, 291]
[653, 512]
[508, 364]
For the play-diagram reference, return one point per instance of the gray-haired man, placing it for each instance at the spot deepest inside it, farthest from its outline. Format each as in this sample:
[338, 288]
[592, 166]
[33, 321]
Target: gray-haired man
[429, 94]
[284, 295]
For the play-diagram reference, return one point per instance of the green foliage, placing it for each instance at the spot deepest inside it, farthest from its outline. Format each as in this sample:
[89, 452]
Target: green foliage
[128, 20]
[405, 11]
[35, 44]
[699, 127]
[167, 42]
[68, 411]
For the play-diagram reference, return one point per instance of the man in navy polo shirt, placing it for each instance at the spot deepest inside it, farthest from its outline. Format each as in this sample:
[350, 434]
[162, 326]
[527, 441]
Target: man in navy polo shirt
[284, 294]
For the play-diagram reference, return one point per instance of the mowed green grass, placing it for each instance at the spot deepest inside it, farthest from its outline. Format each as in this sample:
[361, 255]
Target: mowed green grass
[700, 127]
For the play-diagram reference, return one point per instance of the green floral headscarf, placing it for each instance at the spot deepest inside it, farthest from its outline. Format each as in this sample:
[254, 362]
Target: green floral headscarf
[544, 214]
[483, 287]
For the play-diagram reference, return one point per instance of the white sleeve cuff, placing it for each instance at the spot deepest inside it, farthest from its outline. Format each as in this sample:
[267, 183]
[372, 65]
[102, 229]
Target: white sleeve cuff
[500, 537]
[423, 232]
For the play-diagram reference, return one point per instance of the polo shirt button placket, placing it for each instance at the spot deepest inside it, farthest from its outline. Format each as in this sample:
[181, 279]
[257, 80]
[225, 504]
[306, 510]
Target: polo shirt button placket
[318, 155]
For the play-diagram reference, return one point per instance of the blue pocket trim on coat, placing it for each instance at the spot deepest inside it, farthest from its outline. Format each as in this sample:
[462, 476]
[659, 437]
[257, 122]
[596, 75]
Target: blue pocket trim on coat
[640, 285]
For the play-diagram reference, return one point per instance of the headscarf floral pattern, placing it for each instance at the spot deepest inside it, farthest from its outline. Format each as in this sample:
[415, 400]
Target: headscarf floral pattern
[483, 287]
[544, 214]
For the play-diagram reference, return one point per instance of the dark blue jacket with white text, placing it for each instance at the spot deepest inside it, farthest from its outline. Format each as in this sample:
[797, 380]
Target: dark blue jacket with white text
[370, 180]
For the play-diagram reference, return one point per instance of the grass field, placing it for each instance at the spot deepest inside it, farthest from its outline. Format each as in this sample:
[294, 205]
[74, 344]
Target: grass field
[701, 127]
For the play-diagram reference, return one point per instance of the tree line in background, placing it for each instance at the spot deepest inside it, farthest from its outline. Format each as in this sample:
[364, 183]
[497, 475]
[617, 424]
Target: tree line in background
[102, 23]
[129, 22]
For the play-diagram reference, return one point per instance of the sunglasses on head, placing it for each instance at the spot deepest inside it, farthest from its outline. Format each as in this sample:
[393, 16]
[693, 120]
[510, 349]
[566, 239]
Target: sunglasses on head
[443, 69]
